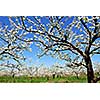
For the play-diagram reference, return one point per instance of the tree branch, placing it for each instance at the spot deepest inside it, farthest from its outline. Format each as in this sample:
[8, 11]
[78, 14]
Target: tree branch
[94, 50]
[86, 28]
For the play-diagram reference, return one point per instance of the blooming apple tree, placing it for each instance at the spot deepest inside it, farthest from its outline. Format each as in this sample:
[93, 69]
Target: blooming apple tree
[64, 37]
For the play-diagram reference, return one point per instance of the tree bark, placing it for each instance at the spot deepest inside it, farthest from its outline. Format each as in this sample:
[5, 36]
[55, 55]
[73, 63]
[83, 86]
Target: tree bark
[90, 72]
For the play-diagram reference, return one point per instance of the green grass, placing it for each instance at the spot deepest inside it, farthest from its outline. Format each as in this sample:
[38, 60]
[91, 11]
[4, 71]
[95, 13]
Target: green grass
[25, 79]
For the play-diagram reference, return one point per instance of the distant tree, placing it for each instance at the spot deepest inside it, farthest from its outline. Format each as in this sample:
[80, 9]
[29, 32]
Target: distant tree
[75, 66]
[32, 71]
[96, 66]
[11, 68]
[57, 70]
[64, 37]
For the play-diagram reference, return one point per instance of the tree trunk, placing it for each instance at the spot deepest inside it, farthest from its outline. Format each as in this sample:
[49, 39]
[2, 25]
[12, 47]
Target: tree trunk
[77, 75]
[13, 75]
[90, 72]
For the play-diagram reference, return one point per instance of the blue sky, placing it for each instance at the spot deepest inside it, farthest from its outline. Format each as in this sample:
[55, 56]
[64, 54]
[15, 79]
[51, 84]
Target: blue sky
[32, 58]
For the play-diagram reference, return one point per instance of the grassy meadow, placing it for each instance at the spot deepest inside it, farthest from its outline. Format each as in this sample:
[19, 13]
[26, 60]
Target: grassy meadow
[26, 79]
